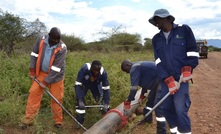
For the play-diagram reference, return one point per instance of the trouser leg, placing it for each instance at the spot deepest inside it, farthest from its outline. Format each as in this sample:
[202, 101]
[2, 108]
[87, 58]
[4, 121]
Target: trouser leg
[34, 101]
[57, 90]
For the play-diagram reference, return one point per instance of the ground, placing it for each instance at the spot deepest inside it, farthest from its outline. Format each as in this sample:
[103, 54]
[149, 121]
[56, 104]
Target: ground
[205, 110]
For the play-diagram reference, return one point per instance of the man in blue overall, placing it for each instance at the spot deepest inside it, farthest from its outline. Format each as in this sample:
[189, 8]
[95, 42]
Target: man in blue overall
[144, 74]
[94, 77]
[176, 56]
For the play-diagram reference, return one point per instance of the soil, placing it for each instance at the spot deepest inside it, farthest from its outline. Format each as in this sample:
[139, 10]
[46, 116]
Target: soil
[205, 110]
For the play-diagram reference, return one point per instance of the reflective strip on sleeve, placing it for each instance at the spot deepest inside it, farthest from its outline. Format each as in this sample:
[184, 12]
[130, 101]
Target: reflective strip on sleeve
[161, 119]
[157, 61]
[80, 111]
[193, 54]
[88, 66]
[149, 108]
[106, 88]
[34, 54]
[63, 45]
[78, 83]
[102, 70]
[173, 130]
[56, 68]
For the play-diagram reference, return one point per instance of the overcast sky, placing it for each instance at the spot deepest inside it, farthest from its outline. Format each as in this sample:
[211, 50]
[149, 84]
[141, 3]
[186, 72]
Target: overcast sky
[85, 18]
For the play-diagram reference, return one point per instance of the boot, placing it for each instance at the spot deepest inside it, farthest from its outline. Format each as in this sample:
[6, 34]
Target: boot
[148, 119]
[80, 118]
[58, 126]
[23, 126]
[161, 127]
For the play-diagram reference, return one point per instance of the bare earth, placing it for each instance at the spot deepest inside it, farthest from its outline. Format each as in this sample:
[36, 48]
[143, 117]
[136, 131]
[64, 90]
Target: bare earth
[205, 110]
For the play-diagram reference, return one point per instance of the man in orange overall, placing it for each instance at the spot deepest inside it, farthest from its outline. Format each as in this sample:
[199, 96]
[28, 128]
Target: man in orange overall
[47, 64]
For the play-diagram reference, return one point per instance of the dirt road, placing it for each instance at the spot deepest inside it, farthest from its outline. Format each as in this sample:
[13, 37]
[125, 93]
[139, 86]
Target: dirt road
[205, 109]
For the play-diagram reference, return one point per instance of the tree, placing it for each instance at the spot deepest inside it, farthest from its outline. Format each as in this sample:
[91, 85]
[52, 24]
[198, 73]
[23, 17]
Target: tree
[148, 43]
[15, 29]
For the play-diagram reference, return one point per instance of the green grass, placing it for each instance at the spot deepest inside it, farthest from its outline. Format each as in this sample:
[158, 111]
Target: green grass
[15, 83]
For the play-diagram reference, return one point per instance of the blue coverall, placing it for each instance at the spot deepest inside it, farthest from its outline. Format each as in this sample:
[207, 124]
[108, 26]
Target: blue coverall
[171, 54]
[99, 88]
[144, 74]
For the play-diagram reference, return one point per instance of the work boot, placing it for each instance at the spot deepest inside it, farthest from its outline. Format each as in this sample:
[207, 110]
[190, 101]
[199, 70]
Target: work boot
[161, 127]
[148, 119]
[80, 119]
[23, 126]
[58, 126]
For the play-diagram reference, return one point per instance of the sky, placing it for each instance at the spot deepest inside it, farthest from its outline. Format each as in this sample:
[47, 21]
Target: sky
[86, 18]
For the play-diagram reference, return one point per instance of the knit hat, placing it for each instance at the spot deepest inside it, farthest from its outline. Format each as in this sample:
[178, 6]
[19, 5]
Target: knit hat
[162, 13]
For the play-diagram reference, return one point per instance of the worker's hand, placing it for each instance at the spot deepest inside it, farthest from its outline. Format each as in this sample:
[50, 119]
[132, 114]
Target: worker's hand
[126, 107]
[81, 104]
[141, 99]
[172, 85]
[32, 73]
[186, 74]
[43, 85]
[105, 109]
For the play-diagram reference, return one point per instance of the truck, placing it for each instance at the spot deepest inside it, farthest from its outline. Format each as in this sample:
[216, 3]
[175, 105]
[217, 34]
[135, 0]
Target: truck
[202, 48]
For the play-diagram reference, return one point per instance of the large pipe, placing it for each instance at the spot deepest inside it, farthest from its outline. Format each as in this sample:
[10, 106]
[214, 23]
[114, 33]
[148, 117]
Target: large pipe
[110, 123]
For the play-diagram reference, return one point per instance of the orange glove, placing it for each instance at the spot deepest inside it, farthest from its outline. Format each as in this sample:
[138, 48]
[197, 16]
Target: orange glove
[126, 107]
[186, 73]
[172, 85]
[32, 73]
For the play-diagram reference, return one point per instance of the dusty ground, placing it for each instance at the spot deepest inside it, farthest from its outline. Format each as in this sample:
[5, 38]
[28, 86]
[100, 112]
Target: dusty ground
[205, 111]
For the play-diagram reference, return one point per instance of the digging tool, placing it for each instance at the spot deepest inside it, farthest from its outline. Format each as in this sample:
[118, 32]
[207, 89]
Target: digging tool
[146, 115]
[92, 106]
[61, 105]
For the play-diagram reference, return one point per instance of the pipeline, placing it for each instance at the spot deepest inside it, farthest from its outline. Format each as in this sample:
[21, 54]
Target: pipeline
[114, 119]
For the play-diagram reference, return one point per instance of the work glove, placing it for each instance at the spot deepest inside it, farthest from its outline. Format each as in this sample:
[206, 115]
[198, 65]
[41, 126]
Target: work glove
[43, 85]
[32, 74]
[172, 85]
[141, 99]
[126, 107]
[81, 104]
[186, 74]
[105, 109]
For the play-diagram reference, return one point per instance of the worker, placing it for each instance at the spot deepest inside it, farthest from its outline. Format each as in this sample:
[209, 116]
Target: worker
[91, 76]
[176, 56]
[144, 74]
[47, 65]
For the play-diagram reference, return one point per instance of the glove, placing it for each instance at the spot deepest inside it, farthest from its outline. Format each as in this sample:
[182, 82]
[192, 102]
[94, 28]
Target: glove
[105, 109]
[81, 104]
[141, 99]
[126, 107]
[186, 73]
[32, 73]
[172, 85]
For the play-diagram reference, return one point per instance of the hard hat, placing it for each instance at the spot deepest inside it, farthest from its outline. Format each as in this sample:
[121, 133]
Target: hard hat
[162, 13]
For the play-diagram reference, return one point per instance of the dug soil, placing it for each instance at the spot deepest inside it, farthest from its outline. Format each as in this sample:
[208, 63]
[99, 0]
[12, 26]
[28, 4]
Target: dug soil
[205, 110]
